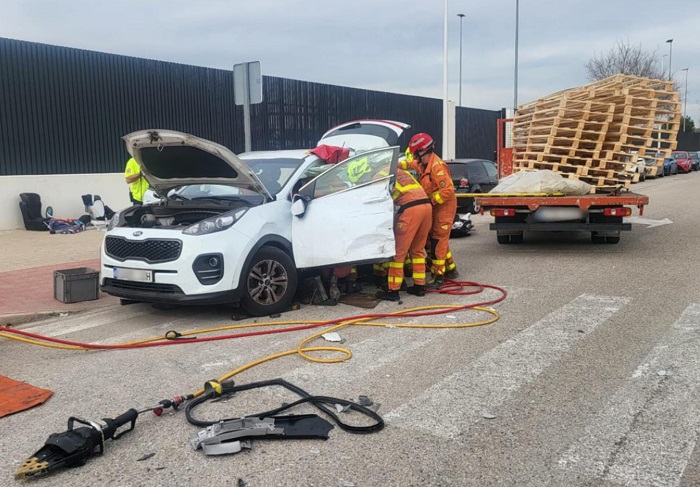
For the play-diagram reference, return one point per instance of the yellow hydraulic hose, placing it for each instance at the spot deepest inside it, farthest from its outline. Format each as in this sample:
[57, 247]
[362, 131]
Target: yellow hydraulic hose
[302, 348]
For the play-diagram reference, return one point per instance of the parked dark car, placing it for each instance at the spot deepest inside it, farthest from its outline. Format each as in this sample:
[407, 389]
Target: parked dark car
[652, 171]
[695, 157]
[683, 161]
[670, 166]
[472, 176]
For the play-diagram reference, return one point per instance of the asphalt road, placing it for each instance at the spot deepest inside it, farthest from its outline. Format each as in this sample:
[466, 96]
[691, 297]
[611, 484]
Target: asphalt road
[589, 377]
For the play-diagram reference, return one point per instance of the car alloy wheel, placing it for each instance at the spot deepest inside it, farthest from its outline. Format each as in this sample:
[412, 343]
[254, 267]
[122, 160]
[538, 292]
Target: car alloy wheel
[270, 283]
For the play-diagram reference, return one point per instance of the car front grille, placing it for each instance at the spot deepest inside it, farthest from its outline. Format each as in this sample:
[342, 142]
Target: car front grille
[149, 250]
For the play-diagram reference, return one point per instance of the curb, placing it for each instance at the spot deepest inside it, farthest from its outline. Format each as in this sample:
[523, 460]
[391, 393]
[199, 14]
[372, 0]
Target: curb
[24, 318]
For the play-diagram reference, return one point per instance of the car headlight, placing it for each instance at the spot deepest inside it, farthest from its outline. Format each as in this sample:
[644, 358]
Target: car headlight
[114, 221]
[215, 224]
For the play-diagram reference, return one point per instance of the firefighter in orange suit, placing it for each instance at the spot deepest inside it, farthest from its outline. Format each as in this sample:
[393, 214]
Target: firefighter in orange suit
[434, 177]
[411, 229]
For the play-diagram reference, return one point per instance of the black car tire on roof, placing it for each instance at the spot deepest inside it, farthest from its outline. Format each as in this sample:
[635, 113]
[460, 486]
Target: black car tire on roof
[269, 283]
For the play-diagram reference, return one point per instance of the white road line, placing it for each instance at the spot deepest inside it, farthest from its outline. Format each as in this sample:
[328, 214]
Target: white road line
[384, 348]
[646, 435]
[368, 355]
[453, 405]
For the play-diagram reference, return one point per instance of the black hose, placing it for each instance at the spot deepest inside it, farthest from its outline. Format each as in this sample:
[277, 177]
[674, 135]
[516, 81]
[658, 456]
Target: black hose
[321, 402]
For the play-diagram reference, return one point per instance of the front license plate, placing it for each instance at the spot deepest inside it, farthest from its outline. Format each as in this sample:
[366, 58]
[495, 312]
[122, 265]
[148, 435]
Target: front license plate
[133, 274]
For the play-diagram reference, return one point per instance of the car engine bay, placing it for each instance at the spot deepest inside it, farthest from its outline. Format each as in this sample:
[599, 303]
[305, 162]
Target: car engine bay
[174, 215]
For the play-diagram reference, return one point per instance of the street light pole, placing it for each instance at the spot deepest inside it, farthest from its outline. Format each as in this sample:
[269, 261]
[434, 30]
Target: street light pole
[445, 124]
[663, 65]
[515, 83]
[670, 55]
[461, 18]
[685, 97]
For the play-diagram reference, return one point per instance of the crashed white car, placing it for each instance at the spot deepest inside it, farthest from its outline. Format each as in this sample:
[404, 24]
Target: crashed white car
[236, 229]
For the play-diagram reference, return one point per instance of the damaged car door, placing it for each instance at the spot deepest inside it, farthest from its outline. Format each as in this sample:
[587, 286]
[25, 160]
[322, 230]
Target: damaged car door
[346, 215]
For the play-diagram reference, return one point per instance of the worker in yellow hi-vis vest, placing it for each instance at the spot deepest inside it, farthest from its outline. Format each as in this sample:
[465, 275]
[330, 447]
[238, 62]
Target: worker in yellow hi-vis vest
[137, 183]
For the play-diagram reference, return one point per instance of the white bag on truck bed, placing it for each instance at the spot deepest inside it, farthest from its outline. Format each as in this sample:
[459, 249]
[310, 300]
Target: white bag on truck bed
[541, 181]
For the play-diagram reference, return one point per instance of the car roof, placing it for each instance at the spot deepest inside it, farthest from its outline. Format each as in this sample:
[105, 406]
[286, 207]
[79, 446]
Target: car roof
[276, 154]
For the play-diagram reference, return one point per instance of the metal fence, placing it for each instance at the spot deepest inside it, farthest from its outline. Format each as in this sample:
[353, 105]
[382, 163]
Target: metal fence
[64, 110]
[689, 141]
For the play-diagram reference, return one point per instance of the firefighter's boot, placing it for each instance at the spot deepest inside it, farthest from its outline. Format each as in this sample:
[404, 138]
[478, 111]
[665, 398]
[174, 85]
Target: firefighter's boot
[416, 290]
[453, 274]
[388, 295]
[435, 283]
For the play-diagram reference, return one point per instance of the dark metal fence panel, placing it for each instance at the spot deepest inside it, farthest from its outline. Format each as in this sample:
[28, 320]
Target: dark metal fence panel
[476, 133]
[689, 141]
[296, 113]
[64, 110]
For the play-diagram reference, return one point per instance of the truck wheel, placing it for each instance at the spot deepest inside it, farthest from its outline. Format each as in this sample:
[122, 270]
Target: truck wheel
[270, 282]
[612, 240]
[503, 239]
[597, 239]
[516, 239]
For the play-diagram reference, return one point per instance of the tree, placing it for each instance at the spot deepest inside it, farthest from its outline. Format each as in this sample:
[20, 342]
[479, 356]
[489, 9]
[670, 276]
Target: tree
[624, 58]
[689, 124]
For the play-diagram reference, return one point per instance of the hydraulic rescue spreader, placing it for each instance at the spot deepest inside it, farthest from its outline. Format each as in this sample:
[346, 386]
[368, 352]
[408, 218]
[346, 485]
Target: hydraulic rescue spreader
[77, 445]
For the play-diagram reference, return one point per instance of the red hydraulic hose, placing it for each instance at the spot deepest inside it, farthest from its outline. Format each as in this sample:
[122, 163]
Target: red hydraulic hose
[450, 288]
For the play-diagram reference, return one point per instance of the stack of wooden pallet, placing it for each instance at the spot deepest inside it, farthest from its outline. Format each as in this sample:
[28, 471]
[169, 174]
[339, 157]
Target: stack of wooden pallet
[597, 132]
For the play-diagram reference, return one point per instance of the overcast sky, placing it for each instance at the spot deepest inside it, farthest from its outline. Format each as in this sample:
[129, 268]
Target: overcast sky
[386, 45]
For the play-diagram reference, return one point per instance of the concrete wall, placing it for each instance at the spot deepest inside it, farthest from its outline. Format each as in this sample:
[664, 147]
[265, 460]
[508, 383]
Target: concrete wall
[62, 192]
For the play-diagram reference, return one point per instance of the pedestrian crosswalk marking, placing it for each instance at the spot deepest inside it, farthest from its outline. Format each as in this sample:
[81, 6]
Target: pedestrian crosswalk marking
[453, 405]
[380, 350]
[648, 431]
[73, 324]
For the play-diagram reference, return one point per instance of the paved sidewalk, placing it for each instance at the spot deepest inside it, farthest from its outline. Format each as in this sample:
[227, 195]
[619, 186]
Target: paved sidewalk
[27, 263]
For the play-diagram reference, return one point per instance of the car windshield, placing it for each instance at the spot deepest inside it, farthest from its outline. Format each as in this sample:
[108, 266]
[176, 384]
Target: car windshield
[275, 172]
[679, 155]
[457, 170]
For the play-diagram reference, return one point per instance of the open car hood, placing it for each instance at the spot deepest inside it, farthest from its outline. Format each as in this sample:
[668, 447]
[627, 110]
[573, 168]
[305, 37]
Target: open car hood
[170, 159]
[364, 135]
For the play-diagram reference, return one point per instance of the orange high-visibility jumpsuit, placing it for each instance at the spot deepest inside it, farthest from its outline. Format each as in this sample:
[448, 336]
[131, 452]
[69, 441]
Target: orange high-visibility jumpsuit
[411, 229]
[436, 180]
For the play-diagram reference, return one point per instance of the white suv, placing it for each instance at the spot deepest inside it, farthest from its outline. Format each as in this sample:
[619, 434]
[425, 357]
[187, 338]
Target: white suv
[229, 229]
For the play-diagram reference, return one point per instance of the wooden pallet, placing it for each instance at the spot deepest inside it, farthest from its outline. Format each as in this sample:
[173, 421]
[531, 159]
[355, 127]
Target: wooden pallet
[596, 132]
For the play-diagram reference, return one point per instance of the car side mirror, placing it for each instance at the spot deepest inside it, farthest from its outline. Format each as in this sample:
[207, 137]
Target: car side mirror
[298, 206]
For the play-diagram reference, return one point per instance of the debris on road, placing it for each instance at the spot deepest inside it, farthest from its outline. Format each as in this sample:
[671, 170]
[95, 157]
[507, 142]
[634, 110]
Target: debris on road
[332, 336]
[146, 457]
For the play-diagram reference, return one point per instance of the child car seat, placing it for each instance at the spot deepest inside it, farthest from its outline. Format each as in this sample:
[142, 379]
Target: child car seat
[30, 206]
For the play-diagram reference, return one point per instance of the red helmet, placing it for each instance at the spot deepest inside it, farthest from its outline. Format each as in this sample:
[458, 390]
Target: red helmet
[420, 141]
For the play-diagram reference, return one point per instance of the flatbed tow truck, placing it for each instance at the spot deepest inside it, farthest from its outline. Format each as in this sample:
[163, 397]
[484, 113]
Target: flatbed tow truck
[600, 214]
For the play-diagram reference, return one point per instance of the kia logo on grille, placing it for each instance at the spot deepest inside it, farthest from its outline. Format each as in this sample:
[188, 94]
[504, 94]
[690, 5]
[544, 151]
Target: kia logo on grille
[138, 233]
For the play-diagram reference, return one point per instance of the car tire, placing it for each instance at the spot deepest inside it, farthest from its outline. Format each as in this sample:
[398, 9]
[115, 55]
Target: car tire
[473, 208]
[597, 239]
[269, 283]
